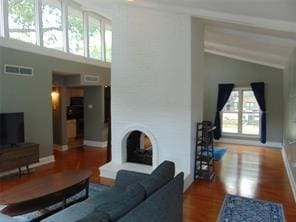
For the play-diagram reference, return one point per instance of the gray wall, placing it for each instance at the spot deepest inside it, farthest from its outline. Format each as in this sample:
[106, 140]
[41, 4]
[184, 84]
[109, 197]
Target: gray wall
[225, 70]
[197, 79]
[290, 112]
[32, 95]
[94, 127]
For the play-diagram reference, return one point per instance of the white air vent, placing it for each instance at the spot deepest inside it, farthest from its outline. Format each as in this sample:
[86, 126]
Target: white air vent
[18, 70]
[90, 80]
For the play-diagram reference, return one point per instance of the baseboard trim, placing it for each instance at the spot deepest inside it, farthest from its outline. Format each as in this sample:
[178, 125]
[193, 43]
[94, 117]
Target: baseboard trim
[250, 142]
[289, 172]
[188, 180]
[61, 147]
[96, 144]
[42, 161]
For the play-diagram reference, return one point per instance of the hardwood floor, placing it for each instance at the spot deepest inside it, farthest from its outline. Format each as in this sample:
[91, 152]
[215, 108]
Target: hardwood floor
[247, 171]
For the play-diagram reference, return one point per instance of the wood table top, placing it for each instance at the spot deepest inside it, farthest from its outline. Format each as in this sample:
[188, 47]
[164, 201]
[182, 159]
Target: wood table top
[43, 186]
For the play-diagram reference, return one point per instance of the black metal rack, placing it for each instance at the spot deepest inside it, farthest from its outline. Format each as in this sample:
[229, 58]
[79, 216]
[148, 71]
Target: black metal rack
[204, 151]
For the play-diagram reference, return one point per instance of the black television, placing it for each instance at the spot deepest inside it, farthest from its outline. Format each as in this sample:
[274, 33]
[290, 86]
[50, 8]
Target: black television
[12, 130]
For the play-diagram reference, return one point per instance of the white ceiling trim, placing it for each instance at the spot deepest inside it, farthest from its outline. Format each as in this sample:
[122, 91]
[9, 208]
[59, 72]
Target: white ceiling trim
[246, 55]
[278, 25]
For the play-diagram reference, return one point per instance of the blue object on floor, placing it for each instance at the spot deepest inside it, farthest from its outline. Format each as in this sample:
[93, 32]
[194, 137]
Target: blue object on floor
[238, 209]
[218, 153]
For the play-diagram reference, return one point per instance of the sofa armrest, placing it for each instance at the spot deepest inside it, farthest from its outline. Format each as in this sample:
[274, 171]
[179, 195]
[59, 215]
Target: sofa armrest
[4, 218]
[125, 178]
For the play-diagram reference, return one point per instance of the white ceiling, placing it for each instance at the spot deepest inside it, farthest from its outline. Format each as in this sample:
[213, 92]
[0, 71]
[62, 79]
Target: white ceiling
[283, 10]
[248, 46]
[260, 31]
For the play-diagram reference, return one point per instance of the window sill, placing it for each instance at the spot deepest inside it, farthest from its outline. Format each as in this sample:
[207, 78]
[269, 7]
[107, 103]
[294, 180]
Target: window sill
[28, 47]
[242, 136]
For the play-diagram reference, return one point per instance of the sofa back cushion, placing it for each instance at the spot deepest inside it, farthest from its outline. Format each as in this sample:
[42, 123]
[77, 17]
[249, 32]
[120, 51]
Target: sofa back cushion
[116, 206]
[164, 205]
[159, 177]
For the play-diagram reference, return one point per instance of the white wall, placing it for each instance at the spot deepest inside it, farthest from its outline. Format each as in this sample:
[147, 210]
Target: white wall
[151, 74]
[289, 139]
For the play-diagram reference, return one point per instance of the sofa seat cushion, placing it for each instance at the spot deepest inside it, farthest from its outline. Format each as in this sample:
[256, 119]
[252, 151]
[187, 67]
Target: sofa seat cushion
[116, 206]
[97, 216]
[82, 209]
[159, 177]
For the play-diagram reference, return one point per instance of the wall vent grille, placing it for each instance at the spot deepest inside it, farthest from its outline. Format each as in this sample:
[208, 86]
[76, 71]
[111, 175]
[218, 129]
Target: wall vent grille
[91, 78]
[18, 70]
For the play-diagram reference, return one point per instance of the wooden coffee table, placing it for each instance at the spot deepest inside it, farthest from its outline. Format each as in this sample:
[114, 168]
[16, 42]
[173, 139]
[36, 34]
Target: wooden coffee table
[43, 192]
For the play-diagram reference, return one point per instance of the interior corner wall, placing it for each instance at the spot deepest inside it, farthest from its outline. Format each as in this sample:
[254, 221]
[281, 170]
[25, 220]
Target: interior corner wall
[290, 113]
[32, 95]
[1, 82]
[197, 79]
[226, 70]
[151, 74]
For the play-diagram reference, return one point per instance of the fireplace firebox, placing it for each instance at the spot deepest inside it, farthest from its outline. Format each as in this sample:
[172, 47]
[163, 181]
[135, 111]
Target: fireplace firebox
[139, 148]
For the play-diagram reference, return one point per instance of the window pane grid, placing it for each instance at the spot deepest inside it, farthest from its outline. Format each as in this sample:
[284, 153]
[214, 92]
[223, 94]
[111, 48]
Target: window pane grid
[241, 114]
[58, 25]
[108, 43]
[22, 20]
[95, 40]
[75, 31]
[52, 24]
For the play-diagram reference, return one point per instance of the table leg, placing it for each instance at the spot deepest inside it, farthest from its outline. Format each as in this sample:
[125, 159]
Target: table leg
[64, 201]
[87, 188]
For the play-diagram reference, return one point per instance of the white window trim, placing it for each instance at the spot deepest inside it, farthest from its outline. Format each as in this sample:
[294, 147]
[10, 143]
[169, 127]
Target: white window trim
[240, 115]
[65, 26]
[85, 34]
[38, 22]
[1, 19]
[4, 25]
[65, 4]
[103, 25]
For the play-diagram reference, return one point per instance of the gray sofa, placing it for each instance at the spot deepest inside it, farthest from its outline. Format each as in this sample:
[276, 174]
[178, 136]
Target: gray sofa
[157, 197]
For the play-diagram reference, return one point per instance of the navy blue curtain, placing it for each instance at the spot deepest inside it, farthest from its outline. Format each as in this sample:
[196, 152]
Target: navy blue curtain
[223, 96]
[259, 92]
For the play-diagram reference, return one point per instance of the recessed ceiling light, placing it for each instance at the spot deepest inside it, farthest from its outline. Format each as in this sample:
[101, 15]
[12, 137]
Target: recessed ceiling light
[130, 0]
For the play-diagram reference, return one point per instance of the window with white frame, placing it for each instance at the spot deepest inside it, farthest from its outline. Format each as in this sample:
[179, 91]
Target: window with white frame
[22, 20]
[241, 114]
[108, 42]
[52, 30]
[58, 24]
[95, 39]
[75, 31]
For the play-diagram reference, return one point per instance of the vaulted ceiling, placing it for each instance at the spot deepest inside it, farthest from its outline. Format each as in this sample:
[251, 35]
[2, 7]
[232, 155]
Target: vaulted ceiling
[259, 31]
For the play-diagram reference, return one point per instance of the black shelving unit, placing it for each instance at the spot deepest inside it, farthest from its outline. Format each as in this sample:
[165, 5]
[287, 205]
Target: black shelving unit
[204, 158]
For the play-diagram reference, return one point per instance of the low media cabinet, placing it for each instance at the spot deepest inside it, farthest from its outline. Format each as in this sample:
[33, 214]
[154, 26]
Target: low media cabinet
[19, 156]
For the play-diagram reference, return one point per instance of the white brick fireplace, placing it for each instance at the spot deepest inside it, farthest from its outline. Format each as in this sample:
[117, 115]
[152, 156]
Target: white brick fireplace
[152, 87]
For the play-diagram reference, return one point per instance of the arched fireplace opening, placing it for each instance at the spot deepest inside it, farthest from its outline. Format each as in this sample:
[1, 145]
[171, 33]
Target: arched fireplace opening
[139, 148]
